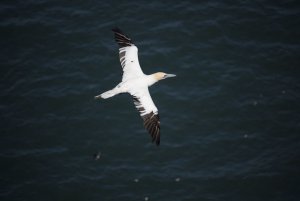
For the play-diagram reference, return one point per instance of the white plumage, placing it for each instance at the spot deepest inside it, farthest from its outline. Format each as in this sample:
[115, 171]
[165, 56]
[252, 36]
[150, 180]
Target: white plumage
[136, 83]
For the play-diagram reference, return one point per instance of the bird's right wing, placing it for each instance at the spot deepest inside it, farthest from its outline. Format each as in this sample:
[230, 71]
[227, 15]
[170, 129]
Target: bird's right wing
[128, 54]
[149, 113]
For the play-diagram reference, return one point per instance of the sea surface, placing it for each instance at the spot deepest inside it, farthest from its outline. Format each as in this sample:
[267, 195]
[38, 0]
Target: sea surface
[230, 120]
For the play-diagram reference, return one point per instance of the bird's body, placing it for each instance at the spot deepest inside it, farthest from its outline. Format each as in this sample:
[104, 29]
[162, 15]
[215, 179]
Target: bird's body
[136, 83]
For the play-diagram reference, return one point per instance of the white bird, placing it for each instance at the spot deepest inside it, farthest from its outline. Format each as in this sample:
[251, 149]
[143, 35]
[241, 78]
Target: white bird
[136, 83]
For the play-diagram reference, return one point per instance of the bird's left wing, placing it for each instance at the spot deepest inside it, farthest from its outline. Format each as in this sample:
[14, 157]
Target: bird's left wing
[149, 113]
[128, 54]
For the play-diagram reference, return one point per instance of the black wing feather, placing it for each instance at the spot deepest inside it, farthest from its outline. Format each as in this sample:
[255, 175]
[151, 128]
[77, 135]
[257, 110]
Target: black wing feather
[151, 121]
[152, 124]
[121, 38]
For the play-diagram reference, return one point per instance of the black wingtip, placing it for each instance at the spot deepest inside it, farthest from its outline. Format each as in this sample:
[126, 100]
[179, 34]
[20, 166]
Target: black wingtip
[122, 39]
[156, 139]
[116, 29]
[157, 142]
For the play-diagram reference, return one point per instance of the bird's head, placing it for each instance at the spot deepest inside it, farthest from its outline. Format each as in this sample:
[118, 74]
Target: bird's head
[160, 76]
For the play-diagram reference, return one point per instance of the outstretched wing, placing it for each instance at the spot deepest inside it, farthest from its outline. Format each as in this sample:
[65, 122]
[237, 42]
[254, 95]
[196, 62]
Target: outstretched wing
[128, 54]
[149, 113]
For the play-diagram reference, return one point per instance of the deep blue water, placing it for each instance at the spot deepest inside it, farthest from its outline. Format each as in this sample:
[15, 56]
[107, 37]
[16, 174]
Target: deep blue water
[230, 120]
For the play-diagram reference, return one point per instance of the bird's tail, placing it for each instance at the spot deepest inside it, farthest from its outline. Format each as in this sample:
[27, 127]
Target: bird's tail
[107, 94]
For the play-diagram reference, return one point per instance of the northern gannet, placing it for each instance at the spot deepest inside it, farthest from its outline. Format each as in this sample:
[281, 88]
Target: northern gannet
[136, 83]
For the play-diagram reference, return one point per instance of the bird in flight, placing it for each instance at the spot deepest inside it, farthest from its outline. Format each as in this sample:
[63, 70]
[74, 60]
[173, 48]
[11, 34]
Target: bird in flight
[136, 83]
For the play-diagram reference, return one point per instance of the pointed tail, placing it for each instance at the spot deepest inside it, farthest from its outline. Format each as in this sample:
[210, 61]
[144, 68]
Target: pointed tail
[106, 94]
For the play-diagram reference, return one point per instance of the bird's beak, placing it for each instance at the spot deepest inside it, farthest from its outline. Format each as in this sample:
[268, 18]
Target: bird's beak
[169, 75]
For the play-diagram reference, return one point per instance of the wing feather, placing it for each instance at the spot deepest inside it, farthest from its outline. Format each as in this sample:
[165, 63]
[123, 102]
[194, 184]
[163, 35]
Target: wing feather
[149, 113]
[128, 55]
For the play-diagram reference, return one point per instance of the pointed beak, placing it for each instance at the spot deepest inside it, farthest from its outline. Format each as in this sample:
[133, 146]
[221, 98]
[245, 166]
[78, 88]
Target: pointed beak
[169, 75]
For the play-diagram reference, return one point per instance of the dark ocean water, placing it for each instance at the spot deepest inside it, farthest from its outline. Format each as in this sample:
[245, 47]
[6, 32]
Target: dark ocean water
[230, 120]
